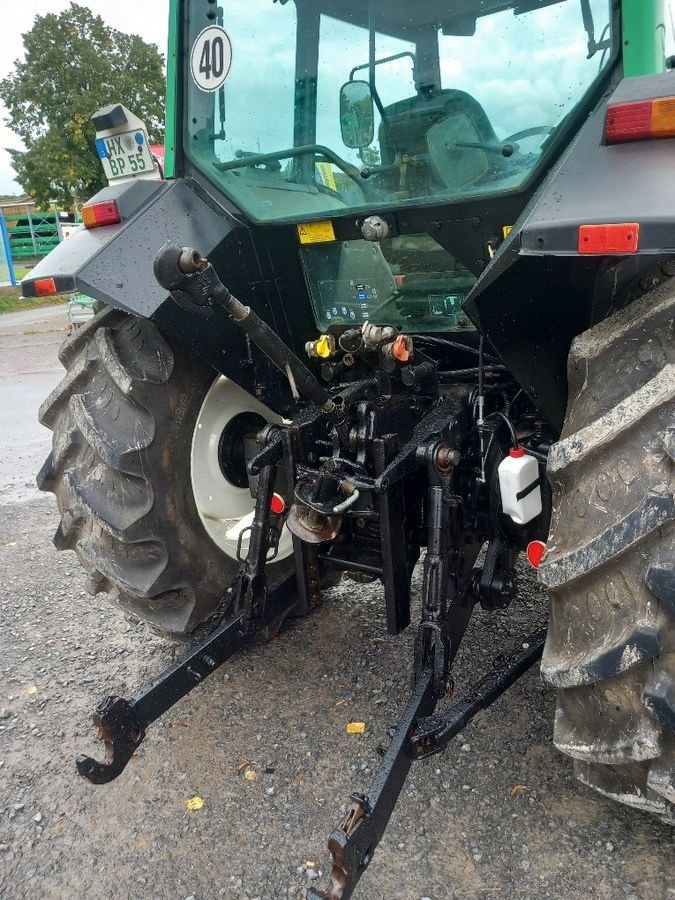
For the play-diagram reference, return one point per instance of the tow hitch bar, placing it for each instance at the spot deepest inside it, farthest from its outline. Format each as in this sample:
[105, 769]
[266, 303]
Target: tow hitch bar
[122, 723]
[418, 734]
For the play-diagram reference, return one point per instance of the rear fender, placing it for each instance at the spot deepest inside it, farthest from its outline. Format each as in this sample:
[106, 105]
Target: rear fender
[66, 262]
[113, 264]
[540, 291]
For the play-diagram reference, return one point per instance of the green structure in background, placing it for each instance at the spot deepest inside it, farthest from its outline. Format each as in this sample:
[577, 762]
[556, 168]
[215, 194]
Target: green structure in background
[32, 234]
[6, 267]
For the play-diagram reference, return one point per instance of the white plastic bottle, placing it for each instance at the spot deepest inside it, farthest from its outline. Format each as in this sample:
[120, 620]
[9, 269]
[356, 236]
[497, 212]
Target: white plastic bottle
[520, 486]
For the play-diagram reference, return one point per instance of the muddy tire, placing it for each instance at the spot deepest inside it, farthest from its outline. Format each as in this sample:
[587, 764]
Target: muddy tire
[123, 419]
[610, 563]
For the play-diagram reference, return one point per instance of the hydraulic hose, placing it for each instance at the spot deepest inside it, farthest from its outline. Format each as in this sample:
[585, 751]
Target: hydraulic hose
[182, 269]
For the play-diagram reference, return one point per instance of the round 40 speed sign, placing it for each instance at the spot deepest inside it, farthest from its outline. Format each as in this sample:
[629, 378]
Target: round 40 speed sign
[211, 58]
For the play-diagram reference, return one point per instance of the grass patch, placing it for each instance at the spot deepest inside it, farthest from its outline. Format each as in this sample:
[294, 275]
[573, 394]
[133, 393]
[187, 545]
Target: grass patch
[11, 300]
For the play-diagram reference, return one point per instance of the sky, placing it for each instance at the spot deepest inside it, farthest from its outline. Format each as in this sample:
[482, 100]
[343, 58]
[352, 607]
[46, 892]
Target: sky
[148, 19]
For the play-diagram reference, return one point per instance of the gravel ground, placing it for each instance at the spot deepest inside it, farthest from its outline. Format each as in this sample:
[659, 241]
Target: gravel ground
[458, 831]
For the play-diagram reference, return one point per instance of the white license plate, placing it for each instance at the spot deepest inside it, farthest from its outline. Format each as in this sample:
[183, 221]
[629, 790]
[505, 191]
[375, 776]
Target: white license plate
[125, 154]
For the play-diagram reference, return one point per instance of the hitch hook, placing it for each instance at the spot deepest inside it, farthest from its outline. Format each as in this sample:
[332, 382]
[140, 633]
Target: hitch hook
[121, 731]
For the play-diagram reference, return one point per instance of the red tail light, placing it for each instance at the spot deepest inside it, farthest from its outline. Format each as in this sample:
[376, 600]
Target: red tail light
[640, 120]
[103, 213]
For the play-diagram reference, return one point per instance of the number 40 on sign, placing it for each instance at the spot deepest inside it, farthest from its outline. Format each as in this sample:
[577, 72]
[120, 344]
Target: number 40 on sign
[211, 58]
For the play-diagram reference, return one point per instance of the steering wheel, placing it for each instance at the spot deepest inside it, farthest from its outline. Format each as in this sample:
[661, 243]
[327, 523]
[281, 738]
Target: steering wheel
[257, 159]
[528, 132]
[505, 147]
[511, 142]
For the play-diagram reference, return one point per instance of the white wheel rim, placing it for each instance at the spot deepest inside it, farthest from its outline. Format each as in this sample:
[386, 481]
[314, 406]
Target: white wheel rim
[221, 504]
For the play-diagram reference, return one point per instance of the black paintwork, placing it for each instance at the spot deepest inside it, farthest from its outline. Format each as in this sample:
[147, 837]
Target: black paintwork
[112, 116]
[259, 264]
[396, 447]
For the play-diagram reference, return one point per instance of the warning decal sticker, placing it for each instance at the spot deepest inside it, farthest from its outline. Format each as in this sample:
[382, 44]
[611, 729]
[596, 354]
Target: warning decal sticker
[316, 232]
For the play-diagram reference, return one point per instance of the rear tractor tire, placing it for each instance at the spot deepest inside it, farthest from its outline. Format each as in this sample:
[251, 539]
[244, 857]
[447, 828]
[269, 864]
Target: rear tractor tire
[148, 470]
[610, 562]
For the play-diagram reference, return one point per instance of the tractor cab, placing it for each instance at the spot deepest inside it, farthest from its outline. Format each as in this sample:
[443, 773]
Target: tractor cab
[303, 111]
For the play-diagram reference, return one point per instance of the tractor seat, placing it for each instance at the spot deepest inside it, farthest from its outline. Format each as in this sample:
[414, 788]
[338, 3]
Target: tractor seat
[428, 130]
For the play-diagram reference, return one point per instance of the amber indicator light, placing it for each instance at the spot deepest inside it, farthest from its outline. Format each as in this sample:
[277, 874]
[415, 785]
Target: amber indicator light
[97, 214]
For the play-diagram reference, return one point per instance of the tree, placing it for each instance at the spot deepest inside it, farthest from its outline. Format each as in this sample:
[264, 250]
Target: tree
[74, 64]
[370, 156]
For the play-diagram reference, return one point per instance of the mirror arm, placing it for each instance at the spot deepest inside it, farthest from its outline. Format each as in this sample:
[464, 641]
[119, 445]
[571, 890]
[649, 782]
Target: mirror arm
[385, 59]
[372, 62]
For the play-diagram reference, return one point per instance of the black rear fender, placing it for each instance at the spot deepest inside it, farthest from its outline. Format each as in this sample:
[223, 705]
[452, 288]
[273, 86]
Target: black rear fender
[113, 264]
[542, 288]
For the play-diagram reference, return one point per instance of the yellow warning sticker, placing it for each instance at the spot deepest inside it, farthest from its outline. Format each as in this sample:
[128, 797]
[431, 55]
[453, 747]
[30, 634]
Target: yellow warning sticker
[316, 232]
[506, 230]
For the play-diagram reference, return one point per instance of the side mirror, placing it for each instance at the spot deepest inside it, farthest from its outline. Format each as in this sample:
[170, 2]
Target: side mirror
[357, 116]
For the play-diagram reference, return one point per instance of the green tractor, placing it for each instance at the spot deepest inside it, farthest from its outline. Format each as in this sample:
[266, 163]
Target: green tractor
[405, 292]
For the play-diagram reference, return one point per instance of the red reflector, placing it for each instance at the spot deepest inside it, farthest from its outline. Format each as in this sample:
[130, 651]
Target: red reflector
[535, 551]
[45, 287]
[629, 121]
[104, 213]
[621, 238]
[277, 504]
